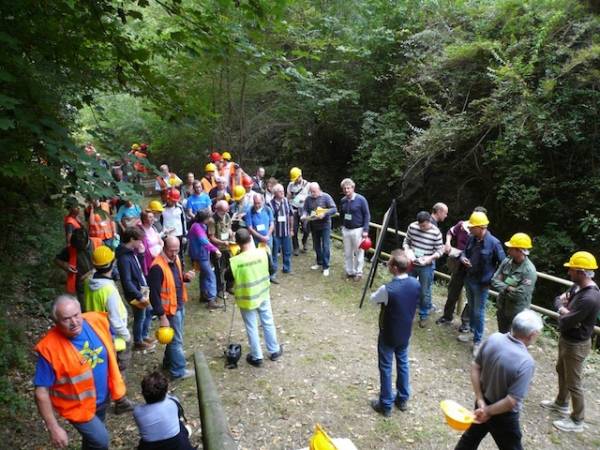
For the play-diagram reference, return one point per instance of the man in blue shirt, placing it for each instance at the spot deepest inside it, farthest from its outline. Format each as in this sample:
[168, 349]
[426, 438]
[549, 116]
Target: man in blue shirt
[318, 209]
[259, 221]
[398, 300]
[481, 257]
[355, 227]
[197, 201]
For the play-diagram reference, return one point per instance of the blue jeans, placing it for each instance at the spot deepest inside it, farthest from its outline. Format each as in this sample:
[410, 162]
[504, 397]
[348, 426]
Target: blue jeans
[94, 434]
[285, 244]
[477, 295]
[141, 323]
[268, 325]
[321, 243]
[174, 359]
[208, 280]
[386, 359]
[425, 276]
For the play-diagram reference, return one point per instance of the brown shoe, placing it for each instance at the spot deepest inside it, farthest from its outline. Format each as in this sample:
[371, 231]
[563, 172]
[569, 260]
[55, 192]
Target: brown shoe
[214, 305]
[142, 346]
[150, 340]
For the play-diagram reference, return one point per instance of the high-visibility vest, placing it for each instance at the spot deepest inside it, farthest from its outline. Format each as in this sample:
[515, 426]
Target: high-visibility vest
[138, 165]
[250, 271]
[102, 227]
[72, 277]
[168, 292]
[97, 300]
[73, 221]
[208, 185]
[73, 394]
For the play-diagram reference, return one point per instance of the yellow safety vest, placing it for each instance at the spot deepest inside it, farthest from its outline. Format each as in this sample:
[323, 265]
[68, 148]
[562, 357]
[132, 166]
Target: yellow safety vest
[251, 273]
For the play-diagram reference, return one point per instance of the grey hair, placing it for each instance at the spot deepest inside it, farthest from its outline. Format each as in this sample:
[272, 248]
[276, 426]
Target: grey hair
[222, 204]
[277, 188]
[347, 182]
[439, 206]
[63, 298]
[314, 185]
[525, 323]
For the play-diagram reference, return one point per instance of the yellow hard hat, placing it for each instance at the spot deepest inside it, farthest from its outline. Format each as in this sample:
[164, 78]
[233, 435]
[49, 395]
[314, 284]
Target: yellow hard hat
[210, 167]
[238, 192]
[102, 256]
[320, 440]
[582, 260]
[165, 335]
[226, 156]
[457, 416]
[519, 240]
[478, 219]
[155, 206]
[120, 344]
[234, 249]
[135, 147]
[295, 172]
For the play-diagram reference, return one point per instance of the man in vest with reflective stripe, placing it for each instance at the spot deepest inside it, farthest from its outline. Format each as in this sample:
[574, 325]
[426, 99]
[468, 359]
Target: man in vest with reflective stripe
[250, 270]
[168, 296]
[77, 375]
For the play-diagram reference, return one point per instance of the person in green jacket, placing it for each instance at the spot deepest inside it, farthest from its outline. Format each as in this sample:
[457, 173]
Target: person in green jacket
[514, 280]
[250, 270]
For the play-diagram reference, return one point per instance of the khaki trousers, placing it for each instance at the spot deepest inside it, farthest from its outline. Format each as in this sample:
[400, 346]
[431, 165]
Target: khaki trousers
[569, 367]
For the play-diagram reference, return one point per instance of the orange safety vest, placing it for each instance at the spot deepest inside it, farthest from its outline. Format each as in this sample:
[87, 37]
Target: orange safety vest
[102, 229]
[168, 293]
[73, 394]
[73, 221]
[207, 184]
[138, 165]
[72, 277]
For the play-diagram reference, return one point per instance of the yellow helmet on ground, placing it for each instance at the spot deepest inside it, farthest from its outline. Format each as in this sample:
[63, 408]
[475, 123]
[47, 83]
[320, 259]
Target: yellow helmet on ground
[155, 206]
[320, 440]
[165, 335]
[238, 192]
[210, 167]
[226, 156]
[582, 260]
[478, 219]
[102, 256]
[519, 240]
[295, 172]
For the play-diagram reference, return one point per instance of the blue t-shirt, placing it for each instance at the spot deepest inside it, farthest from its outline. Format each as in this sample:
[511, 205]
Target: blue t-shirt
[198, 202]
[259, 220]
[92, 350]
[124, 211]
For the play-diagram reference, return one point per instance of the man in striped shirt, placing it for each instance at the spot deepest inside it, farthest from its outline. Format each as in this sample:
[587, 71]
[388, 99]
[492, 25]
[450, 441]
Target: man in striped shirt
[283, 232]
[423, 245]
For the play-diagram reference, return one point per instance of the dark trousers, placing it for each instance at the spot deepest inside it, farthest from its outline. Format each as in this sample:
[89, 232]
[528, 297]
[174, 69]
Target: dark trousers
[298, 224]
[221, 265]
[504, 428]
[457, 281]
[504, 321]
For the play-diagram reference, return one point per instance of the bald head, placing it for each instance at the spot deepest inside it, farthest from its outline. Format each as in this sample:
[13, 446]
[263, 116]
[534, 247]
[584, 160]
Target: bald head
[222, 206]
[171, 248]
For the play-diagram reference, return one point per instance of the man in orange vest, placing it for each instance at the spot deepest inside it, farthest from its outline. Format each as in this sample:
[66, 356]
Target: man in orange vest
[77, 375]
[76, 260]
[168, 296]
[101, 224]
[71, 221]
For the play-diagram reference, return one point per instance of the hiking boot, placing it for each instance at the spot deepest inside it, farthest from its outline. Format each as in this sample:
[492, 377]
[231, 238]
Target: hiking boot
[443, 321]
[464, 338]
[253, 361]
[378, 407]
[568, 425]
[402, 405]
[141, 346]
[551, 405]
[275, 356]
[123, 405]
[213, 305]
[464, 329]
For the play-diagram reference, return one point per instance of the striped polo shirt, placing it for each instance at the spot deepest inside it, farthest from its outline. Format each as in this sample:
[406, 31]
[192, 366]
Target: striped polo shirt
[423, 243]
[281, 210]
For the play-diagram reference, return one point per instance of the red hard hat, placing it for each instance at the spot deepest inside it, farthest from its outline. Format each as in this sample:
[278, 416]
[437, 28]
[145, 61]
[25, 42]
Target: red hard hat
[173, 195]
[247, 181]
[365, 244]
[215, 156]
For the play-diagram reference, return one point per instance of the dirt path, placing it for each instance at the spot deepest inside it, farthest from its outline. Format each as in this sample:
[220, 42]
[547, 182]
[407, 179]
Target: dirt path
[328, 373]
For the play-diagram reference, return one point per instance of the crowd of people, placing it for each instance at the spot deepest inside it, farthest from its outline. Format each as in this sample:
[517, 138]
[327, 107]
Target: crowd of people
[233, 227]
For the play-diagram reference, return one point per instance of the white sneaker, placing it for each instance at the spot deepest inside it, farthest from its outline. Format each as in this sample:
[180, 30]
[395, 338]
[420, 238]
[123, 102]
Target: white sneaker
[315, 267]
[568, 425]
[551, 405]
[464, 338]
[325, 272]
[476, 348]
